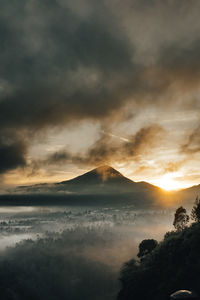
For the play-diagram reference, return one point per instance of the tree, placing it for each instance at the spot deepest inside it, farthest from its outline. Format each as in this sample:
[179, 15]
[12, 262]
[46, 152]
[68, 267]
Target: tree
[128, 269]
[180, 218]
[146, 247]
[175, 264]
[195, 213]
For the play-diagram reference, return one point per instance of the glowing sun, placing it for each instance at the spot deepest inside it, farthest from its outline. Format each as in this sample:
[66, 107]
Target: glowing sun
[168, 182]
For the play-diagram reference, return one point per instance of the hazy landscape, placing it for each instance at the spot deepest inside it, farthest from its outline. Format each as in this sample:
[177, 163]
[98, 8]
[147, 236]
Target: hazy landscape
[91, 237]
[99, 149]
[81, 232]
[91, 243]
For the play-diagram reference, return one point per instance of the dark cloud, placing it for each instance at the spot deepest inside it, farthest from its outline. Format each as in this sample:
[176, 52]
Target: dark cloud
[61, 63]
[106, 150]
[56, 67]
[59, 157]
[60, 66]
[12, 154]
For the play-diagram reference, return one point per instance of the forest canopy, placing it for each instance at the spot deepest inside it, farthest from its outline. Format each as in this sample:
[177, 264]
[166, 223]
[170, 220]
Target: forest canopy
[172, 265]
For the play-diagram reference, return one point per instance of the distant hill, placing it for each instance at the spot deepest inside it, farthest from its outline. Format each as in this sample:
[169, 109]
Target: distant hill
[106, 185]
[187, 196]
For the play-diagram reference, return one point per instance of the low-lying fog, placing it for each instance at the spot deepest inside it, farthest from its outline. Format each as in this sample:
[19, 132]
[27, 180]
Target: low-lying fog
[72, 252]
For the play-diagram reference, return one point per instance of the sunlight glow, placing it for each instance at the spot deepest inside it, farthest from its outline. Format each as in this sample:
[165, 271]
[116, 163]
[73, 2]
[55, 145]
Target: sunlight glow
[168, 182]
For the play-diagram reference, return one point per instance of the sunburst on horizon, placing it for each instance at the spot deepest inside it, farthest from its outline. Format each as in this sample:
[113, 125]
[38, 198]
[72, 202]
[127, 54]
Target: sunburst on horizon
[169, 182]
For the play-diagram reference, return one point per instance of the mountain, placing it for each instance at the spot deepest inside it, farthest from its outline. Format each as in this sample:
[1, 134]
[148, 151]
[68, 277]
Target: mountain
[98, 176]
[101, 185]
[187, 196]
[106, 185]
[105, 180]
[100, 180]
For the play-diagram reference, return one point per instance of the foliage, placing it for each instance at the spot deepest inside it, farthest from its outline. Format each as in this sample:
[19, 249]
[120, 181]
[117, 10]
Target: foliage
[180, 218]
[129, 269]
[174, 264]
[169, 234]
[195, 213]
[146, 247]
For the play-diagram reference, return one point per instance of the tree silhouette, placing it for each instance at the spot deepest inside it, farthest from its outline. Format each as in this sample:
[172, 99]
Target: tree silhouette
[180, 218]
[173, 266]
[195, 213]
[146, 247]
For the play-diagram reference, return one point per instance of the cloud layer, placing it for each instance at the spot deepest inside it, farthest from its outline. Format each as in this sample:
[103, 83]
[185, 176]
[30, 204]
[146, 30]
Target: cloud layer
[107, 151]
[63, 63]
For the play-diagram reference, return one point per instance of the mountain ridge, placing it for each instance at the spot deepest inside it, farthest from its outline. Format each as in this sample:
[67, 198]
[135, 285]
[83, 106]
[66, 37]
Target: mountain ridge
[108, 185]
[102, 173]
[102, 185]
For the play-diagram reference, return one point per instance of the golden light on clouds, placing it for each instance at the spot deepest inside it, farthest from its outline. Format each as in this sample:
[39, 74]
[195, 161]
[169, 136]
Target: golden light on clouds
[116, 90]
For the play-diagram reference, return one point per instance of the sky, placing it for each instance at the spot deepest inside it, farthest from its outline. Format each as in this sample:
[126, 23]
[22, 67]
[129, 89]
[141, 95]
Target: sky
[86, 83]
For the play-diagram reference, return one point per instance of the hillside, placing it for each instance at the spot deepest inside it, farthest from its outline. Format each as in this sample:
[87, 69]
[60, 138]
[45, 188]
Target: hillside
[184, 197]
[100, 175]
[189, 193]
[173, 265]
[101, 180]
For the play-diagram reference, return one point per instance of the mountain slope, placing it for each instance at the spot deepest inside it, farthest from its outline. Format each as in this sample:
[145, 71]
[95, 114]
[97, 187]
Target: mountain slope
[103, 177]
[101, 185]
[105, 184]
[187, 196]
[99, 175]
[105, 180]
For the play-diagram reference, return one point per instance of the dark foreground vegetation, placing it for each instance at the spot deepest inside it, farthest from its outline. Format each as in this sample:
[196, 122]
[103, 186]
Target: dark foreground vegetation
[165, 267]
